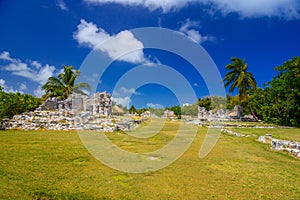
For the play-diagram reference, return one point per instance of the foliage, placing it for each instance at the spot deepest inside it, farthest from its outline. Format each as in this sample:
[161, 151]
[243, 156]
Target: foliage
[176, 110]
[279, 102]
[140, 111]
[15, 103]
[157, 111]
[205, 103]
[64, 84]
[239, 77]
[213, 103]
[132, 110]
[232, 101]
[190, 110]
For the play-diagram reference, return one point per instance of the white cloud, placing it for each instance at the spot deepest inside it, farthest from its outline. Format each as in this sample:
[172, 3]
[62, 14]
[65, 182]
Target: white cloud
[156, 106]
[124, 43]
[62, 5]
[23, 87]
[246, 8]
[88, 34]
[130, 91]
[6, 56]
[195, 85]
[124, 101]
[36, 64]
[122, 95]
[38, 91]
[186, 104]
[257, 8]
[189, 28]
[165, 5]
[7, 88]
[2, 82]
[32, 70]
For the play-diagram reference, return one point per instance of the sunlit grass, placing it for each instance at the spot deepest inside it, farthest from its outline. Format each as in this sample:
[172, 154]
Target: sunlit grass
[56, 165]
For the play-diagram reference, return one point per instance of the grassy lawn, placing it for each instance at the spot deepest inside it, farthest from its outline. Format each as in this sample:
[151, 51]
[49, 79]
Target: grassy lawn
[56, 165]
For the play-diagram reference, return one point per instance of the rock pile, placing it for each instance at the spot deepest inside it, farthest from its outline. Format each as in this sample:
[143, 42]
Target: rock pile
[229, 132]
[78, 112]
[58, 120]
[223, 115]
[292, 147]
[98, 103]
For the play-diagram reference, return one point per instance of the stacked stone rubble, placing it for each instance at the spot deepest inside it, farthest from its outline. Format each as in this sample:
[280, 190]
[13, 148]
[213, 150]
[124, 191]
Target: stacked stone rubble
[78, 112]
[290, 146]
[97, 104]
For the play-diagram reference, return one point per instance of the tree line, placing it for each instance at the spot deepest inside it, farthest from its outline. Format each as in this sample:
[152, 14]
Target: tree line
[278, 102]
[15, 103]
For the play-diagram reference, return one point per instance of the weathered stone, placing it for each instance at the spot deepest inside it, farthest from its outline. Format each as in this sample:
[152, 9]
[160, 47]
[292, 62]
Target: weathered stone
[169, 114]
[98, 103]
[238, 110]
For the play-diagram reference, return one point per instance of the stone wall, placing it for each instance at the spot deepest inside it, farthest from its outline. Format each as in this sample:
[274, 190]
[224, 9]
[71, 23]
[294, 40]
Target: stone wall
[77, 112]
[219, 115]
[289, 146]
[223, 115]
[98, 103]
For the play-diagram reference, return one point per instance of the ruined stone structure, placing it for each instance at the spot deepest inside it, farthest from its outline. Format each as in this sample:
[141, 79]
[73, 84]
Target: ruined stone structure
[292, 147]
[97, 104]
[223, 115]
[169, 114]
[238, 111]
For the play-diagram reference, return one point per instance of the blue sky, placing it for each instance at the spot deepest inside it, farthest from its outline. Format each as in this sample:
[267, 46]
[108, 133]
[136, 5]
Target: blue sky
[38, 37]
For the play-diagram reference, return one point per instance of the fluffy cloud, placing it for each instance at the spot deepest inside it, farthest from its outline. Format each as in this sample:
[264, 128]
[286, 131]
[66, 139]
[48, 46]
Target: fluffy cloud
[288, 9]
[124, 43]
[36, 64]
[23, 87]
[156, 106]
[7, 88]
[189, 28]
[62, 5]
[38, 91]
[31, 70]
[124, 101]
[255, 8]
[122, 95]
[165, 5]
[130, 91]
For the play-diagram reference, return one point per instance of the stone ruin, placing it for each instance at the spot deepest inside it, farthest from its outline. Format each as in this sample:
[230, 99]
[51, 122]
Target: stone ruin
[78, 112]
[289, 146]
[97, 104]
[222, 115]
[169, 114]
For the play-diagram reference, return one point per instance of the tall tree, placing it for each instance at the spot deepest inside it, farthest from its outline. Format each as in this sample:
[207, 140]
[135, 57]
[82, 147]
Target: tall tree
[238, 77]
[15, 103]
[279, 101]
[132, 110]
[64, 84]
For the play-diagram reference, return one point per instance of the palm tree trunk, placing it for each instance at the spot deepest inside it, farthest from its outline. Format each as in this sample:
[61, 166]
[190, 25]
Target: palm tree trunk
[250, 107]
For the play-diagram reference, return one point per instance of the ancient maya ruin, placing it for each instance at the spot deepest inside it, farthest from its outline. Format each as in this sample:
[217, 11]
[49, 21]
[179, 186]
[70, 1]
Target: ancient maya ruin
[81, 112]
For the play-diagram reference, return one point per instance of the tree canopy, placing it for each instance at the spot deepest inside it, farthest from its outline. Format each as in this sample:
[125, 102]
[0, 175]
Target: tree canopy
[64, 85]
[16, 103]
[239, 77]
[279, 101]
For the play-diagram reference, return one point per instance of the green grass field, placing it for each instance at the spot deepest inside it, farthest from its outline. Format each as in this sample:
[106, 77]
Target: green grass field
[56, 165]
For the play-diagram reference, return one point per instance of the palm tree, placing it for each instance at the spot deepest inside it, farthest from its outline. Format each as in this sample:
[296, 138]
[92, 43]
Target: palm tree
[63, 85]
[238, 77]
